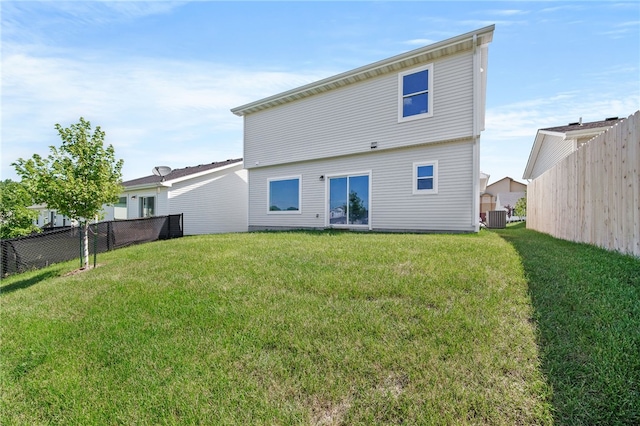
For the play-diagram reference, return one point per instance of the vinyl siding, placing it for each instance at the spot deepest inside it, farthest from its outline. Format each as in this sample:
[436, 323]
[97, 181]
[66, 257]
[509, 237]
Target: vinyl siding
[554, 149]
[133, 204]
[214, 203]
[393, 206]
[346, 121]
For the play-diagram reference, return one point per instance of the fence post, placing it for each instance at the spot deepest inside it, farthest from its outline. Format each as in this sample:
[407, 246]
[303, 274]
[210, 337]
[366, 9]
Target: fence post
[17, 256]
[109, 236]
[95, 243]
[80, 241]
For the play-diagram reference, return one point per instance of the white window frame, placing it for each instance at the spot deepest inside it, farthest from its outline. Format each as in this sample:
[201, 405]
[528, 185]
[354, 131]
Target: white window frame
[278, 212]
[327, 199]
[429, 92]
[141, 199]
[417, 191]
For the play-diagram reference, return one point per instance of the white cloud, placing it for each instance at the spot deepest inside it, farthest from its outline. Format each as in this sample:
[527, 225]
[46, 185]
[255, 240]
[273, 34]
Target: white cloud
[419, 42]
[523, 119]
[182, 109]
[508, 12]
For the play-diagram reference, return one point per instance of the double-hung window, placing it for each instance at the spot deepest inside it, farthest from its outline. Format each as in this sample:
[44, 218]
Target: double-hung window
[415, 93]
[425, 178]
[284, 195]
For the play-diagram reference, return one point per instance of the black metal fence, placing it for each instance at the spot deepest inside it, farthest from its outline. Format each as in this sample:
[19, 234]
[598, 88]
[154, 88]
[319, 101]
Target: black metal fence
[40, 250]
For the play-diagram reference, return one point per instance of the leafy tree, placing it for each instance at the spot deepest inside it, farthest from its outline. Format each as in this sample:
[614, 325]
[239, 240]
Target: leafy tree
[521, 207]
[357, 210]
[77, 178]
[15, 218]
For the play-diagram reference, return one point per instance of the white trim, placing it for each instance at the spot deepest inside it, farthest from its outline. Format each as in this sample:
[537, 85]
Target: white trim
[423, 54]
[429, 91]
[169, 183]
[327, 215]
[203, 173]
[284, 212]
[414, 184]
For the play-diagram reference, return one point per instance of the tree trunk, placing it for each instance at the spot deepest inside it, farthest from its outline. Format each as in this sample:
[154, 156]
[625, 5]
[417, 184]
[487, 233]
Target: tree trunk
[85, 244]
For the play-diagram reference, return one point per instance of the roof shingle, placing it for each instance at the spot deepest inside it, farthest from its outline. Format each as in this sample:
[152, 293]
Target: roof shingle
[178, 173]
[583, 126]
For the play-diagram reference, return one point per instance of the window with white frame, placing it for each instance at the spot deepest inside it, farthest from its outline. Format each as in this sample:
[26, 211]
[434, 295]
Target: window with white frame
[425, 177]
[349, 200]
[147, 206]
[415, 93]
[284, 195]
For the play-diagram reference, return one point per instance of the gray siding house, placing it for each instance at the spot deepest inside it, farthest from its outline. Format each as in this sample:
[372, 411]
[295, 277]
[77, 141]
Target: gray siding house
[391, 146]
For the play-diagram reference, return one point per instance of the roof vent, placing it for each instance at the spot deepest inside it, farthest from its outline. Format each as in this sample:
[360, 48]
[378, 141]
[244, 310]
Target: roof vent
[611, 119]
[574, 124]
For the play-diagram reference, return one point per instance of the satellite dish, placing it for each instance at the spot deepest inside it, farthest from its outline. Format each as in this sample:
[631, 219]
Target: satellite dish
[161, 171]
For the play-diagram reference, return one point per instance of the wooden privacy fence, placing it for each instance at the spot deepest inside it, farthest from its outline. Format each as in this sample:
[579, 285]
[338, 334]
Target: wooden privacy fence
[592, 196]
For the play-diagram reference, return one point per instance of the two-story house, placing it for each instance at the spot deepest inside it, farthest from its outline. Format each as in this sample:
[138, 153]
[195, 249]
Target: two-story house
[390, 146]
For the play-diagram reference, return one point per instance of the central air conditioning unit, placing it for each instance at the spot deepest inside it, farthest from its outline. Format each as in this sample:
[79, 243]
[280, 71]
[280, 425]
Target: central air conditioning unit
[497, 219]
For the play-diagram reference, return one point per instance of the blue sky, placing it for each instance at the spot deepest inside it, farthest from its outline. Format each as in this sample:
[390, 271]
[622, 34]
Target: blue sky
[160, 77]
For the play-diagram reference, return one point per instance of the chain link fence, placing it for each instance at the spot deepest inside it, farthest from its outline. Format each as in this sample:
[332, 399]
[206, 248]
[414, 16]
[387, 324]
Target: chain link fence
[41, 250]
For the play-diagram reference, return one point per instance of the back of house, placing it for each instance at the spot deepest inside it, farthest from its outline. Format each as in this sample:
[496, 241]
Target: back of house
[391, 146]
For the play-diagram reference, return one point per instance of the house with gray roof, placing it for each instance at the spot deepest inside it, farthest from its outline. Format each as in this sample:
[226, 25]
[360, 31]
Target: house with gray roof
[555, 143]
[212, 197]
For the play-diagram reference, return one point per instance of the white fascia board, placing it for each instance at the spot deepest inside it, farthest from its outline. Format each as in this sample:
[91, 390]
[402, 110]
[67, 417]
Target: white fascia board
[586, 132]
[424, 54]
[145, 186]
[535, 150]
[169, 183]
[550, 133]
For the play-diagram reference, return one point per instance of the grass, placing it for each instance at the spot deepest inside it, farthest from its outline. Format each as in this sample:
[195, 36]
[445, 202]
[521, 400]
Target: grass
[277, 328]
[587, 307]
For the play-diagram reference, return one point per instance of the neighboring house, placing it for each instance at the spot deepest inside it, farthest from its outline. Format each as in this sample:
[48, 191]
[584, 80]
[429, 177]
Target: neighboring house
[555, 143]
[49, 218]
[484, 179]
[506, 185]
[507, 201]
[389, 146]
[212, 197]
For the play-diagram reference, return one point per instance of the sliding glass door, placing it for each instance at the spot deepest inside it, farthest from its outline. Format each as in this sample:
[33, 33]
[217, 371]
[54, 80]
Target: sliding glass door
[349, 200]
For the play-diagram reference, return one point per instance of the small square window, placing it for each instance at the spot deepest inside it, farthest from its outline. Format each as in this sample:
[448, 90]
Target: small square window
[415, 94]
[425, 178]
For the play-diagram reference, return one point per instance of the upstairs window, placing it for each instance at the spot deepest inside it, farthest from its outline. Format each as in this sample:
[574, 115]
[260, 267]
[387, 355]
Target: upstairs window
[415, 98]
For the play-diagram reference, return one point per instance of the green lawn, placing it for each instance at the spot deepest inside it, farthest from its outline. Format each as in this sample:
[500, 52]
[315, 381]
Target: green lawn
[290, 328]
[587, 307]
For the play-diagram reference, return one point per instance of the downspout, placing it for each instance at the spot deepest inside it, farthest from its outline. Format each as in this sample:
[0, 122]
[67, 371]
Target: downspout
[475, 217]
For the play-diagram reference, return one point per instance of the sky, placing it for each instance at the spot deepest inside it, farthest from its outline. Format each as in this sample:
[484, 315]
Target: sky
[161, 77]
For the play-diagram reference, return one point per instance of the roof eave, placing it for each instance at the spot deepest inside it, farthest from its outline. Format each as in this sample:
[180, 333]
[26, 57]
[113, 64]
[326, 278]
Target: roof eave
[446, 47]
[152, 185]
[587, 132]
[533, 155]
[206, 172]
[169, 182]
